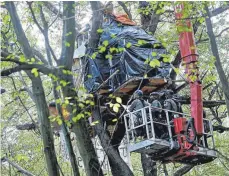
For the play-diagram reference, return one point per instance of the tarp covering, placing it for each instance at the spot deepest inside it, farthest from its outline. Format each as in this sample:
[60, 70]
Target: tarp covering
[130, 47]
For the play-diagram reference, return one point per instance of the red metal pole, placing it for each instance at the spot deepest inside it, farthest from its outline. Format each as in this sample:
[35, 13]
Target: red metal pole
[189, 59]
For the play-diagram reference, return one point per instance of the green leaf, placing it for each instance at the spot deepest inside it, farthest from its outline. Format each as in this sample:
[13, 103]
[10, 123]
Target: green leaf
[113, 35]
[141, 42]
[66, 102]
[94, 55]
[119, 100]
[89, 76]
[121, 49]
[92, 103]
[111, 105]
[128, 45]
[32, 60]
[177, 70]
[102, 49]
[113, 49]
[64, 72]
[100, 31]
[69, 33]
[35, 72]
[165, 59]
[59, 121]
[154, 54]
[67, 44]
[147, 61]
[154, 63]
[58, 88]
[63, 82]
[105, 43]
[115, 120]
[81, 105]
[116, 107]
[58, 101]
[108, 56]
[22, 58]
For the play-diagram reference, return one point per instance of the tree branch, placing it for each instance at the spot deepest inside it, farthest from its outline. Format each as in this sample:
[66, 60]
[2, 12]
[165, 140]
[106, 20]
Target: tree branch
[125, 9]
[34, 17]
[19, 168]
[222, 76]
[43, 69]
[68, 35]
[183, 170]
[96, 23]
[220, 128]
[53, 9]
[219, 35]
[39, 55]
[27, 126]
[206, 103]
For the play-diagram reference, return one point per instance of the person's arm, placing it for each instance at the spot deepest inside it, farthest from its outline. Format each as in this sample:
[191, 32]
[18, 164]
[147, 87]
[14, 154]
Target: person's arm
[132, 106]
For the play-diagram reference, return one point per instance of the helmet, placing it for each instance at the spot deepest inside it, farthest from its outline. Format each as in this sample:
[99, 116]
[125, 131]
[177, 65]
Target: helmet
[155, 95]
[138, 93]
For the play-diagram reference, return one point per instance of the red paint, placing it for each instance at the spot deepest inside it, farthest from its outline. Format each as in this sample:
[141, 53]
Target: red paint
[189, 58]
[179, 125]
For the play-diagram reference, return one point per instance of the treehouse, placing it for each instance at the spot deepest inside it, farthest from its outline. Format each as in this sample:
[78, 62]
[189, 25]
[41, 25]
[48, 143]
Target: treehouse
[129, 59]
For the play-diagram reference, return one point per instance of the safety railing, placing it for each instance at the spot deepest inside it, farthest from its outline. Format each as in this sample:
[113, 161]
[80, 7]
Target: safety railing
[164, 119]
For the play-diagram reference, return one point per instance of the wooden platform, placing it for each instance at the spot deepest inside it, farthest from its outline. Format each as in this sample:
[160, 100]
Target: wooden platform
[147, 85]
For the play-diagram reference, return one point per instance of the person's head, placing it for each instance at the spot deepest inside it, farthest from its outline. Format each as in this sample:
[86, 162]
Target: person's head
[52, 109]
[169, 93]
[155, 95]
[138, 94]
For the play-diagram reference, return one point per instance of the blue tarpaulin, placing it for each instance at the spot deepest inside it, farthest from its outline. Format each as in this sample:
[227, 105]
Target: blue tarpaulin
[132, 47]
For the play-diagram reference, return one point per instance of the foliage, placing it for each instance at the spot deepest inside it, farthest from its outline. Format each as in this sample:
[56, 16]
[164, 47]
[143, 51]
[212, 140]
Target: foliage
[17, 106]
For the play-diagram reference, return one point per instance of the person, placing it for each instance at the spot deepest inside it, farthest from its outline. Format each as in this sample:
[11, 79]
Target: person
[155, 99]
[138, 104]
[170, 104]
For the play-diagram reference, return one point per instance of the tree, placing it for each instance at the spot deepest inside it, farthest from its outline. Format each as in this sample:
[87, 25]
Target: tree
[36, 71]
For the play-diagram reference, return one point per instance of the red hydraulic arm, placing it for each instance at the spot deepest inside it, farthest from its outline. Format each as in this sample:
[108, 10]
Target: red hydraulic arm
[189, 59]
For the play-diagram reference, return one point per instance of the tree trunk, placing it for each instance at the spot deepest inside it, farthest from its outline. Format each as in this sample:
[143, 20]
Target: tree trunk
[118, 166]
[46, 132]
[39, 95]
[150, 21]
[84, 143]
[67, 138]
[148, 165]
[218, 65]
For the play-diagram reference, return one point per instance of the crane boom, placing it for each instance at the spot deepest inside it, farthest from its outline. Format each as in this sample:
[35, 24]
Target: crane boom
[189, 58]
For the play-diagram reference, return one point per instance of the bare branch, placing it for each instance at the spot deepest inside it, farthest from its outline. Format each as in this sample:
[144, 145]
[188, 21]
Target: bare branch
[53, 9]
[19, 168]
[220, 128]
[219, 35]
[34, 17]
[206, 103]
[27, 126]
[40, 56]
[125, 9]
[215, 52]
[183, 170]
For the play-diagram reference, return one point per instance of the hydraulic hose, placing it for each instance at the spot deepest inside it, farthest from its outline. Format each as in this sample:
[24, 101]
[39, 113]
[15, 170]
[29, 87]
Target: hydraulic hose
[191, 125]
